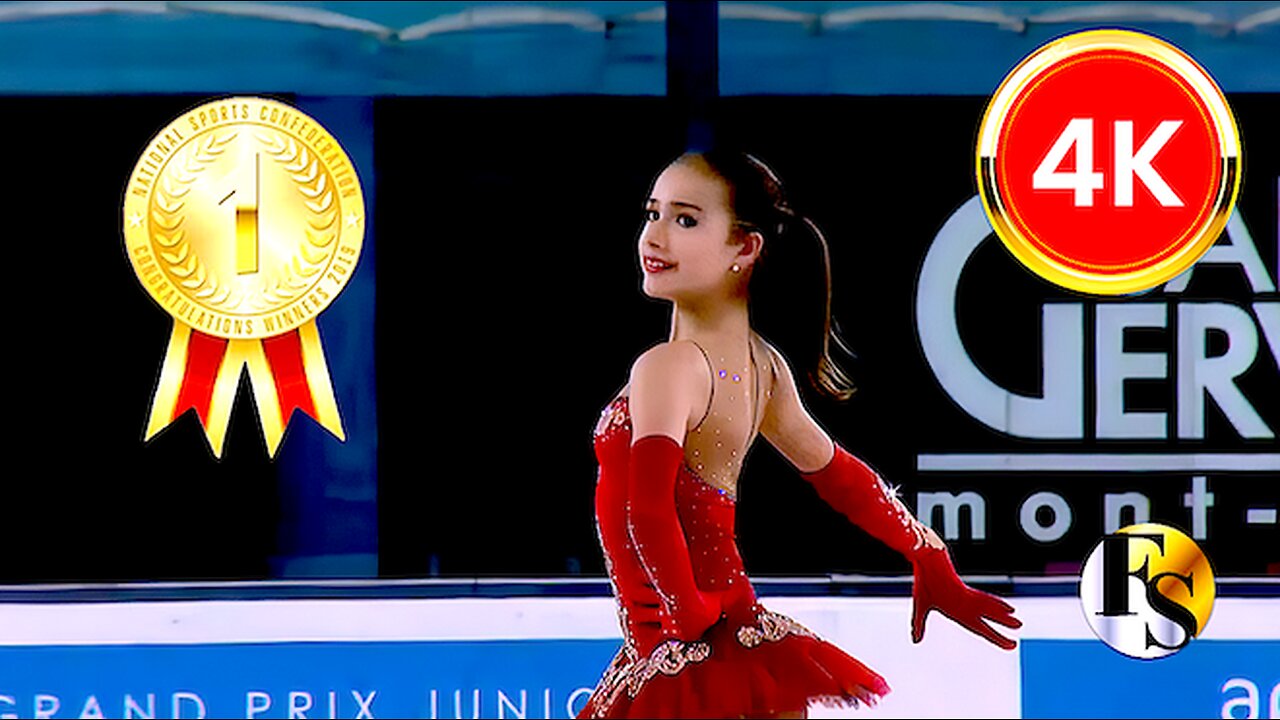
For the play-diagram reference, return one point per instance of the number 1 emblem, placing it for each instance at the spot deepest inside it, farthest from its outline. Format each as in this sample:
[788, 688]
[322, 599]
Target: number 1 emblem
[247, 225]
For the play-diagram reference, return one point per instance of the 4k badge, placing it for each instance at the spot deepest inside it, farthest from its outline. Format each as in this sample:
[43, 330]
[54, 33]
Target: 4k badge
[1108, 161]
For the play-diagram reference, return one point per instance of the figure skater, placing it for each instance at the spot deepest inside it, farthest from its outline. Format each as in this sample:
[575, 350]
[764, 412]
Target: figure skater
[670, 448]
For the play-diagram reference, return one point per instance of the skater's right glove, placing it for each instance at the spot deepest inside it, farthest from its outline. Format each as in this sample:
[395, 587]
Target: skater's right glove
[655, 529]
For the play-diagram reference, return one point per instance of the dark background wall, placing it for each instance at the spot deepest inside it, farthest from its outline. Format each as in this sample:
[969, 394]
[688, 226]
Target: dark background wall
[532, 211]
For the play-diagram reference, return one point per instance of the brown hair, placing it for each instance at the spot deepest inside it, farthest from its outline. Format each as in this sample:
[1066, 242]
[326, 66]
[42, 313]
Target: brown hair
[790, 291]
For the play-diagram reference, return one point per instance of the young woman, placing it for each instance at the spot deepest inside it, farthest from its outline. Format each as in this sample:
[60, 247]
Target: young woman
[671, 445]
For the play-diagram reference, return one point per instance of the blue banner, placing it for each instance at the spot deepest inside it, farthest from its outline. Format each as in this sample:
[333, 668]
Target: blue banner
[1087, 679]
[455, 679]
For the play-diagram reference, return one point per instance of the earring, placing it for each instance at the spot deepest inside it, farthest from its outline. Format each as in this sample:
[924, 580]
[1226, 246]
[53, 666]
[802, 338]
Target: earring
[736, 267]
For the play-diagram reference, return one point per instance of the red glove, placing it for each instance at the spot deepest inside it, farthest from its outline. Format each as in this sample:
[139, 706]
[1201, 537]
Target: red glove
[659, 539]
[938, 587]
[853, 488]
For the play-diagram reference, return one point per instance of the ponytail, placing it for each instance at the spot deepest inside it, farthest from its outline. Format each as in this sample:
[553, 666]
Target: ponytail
[828, 377]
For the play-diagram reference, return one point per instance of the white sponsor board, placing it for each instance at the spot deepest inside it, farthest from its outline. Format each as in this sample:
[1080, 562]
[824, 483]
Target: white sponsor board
[951, 674]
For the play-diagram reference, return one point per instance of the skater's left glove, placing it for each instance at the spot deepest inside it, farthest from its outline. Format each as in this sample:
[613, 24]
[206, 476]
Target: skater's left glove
[937, 587]
[852, 487]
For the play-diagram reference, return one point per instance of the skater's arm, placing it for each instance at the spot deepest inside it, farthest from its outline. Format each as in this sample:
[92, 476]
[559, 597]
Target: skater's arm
[668, 390]
[843, 481]
[853, 488]
[665, 390]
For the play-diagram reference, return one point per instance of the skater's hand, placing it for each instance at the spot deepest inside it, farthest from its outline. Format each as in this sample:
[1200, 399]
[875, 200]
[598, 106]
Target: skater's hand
[938, 587]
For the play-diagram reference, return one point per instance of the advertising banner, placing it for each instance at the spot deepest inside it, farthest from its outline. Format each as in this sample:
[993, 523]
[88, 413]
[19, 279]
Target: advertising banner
[540, 657]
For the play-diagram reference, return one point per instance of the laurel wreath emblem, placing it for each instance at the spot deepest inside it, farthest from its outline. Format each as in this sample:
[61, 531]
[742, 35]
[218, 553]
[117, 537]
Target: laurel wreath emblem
[173, 248]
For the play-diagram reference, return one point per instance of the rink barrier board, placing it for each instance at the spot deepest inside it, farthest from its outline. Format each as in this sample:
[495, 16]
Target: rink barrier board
[539, 656]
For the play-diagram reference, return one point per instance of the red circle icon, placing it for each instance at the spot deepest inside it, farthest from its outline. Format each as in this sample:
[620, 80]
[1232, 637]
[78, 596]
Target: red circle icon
[1108, 161]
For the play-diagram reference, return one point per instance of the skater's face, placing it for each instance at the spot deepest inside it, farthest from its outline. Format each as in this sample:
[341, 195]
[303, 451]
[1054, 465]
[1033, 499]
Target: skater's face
[688, 245]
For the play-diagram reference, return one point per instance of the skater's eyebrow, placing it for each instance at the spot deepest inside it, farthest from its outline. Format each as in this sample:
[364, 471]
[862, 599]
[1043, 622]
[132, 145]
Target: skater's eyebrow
[677, 203]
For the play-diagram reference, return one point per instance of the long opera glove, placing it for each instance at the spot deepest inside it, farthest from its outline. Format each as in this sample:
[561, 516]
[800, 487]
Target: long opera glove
[655, 529]
[854, 489]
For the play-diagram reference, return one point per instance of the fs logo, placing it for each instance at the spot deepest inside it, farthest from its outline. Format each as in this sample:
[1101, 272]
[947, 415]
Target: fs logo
[1147, 590]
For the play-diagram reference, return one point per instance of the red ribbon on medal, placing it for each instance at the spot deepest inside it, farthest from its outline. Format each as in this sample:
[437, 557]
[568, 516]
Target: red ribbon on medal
[287, 372]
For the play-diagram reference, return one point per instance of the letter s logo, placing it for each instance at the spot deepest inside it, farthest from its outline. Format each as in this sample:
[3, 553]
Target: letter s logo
[1147, 590]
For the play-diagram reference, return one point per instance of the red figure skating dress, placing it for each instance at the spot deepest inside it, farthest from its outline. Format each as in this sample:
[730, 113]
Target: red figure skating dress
[752, 662]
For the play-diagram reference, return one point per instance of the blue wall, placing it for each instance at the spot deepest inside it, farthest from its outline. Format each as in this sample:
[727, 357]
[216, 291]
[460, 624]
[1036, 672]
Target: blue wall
[383, 48]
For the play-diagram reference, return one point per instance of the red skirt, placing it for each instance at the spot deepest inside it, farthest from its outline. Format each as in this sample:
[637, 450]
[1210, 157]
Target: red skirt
[776, 666]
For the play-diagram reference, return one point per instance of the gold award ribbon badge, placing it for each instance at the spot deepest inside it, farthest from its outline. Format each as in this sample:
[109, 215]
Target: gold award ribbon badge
[244, 219]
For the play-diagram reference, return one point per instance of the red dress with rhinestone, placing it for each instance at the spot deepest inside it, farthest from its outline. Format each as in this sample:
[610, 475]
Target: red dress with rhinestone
[751, 663]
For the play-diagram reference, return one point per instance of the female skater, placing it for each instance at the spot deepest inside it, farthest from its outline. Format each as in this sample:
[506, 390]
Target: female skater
[670, 448]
